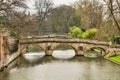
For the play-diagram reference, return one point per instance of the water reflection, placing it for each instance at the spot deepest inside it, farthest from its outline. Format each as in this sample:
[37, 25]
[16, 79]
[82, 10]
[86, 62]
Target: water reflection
[95, 52]
[33, 56]
[66, 54]
[77, 68]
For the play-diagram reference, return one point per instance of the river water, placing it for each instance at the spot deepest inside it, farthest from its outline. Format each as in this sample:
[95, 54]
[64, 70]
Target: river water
[62, 68]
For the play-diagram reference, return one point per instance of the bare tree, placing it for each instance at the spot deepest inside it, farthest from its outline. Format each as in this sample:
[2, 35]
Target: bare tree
[9, 7]
[12, 11]
[114, 8]
[22, 24]
[43, 8]
[90, 11]
[12, 5]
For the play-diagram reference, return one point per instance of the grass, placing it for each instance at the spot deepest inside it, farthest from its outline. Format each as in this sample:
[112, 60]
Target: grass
[115, 58]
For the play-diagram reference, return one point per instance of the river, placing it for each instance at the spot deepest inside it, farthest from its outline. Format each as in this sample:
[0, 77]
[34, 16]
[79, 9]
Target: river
[62, 68]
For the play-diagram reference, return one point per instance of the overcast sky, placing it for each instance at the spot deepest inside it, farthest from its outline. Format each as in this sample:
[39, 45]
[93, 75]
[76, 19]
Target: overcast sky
[30, 3]
[56, 2]
[59, 2]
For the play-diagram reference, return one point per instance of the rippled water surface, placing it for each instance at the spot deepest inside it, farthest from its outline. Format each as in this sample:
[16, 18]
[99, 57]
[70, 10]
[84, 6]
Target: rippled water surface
[51, 68]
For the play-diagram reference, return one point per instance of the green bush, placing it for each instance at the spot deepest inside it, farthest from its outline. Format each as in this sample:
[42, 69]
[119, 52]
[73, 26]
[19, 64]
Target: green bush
[92, 31]
[78, 33]
[75, 32]
[89, 33]
[116, 39]
[85, 35]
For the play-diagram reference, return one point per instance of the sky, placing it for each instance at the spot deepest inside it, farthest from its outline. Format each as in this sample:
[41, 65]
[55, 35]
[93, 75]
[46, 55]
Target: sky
[30, 3]
[59, 2]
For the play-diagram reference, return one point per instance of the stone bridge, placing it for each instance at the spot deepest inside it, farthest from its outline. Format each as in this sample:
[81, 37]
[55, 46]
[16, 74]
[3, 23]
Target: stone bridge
[80, 46]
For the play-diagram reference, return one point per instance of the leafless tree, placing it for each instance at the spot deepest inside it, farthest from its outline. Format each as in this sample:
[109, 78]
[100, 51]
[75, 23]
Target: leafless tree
[114, 8]
[12, 10]
[22, 24]
[12, 5]
[90, 11]
[43, 8]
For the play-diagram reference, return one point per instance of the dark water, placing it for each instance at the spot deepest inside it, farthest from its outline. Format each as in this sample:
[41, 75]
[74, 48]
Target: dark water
[76, 68]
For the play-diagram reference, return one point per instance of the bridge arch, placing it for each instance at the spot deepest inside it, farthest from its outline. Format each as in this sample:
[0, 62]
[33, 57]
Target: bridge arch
[23, 48]
[100, 50]
[65, 44]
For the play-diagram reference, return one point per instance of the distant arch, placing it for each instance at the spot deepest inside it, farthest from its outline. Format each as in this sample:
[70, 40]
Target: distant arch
[68, 45]
[102, 50]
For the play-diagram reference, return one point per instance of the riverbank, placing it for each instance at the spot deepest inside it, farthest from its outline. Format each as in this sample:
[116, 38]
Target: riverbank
[115, 59]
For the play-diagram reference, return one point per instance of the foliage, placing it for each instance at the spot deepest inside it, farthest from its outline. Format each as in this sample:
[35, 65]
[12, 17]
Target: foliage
[90, 33]
[61, 18]
[85, 35]
[75, 32]
[116, 39]
[98, 49]
[75, 20]
[85, 13]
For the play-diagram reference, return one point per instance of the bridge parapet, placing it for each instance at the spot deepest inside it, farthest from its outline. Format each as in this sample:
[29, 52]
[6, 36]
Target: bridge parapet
[63, 40]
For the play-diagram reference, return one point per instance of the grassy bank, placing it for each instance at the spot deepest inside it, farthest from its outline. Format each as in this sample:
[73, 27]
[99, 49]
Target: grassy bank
[115, 59]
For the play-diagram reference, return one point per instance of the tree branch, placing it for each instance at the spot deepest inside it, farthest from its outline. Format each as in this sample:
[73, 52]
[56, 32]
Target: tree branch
[110, 6]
